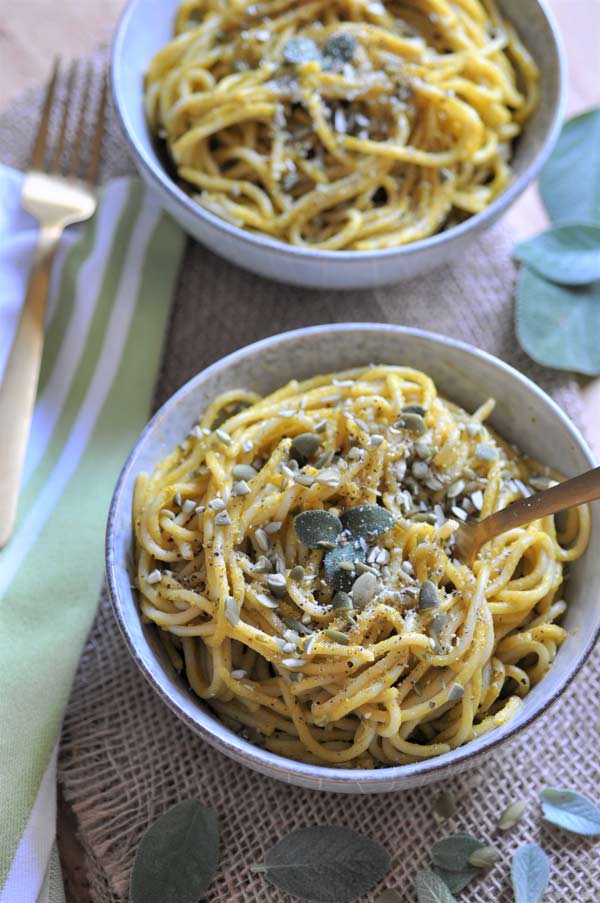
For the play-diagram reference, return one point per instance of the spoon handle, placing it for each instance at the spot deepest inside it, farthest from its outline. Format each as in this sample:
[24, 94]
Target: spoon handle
[568, 494]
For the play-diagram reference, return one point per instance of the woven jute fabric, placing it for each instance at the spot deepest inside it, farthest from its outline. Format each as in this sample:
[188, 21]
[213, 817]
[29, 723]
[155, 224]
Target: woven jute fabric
[125, 757]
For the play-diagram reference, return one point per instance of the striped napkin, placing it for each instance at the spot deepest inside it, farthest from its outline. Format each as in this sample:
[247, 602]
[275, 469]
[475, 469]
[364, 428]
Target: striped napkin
[108, 308]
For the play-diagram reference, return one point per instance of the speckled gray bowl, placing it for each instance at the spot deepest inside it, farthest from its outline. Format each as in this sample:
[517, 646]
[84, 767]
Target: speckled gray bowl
[147, 25]
[524, 415]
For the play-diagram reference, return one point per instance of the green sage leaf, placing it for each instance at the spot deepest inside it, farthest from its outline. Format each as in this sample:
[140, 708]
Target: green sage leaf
[457, 881]
[570, 180]
[566, 254]
[336, 576]
[327, 863]
[571, 810]
[530, 873]
[558, 326]
[367, 521]
[314, 527]
[340, 49]
[177, 857]
[452, 853]
[431, 888]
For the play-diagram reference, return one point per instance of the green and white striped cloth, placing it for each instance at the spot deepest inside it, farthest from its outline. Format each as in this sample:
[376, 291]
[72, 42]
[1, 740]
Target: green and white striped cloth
[108, 309]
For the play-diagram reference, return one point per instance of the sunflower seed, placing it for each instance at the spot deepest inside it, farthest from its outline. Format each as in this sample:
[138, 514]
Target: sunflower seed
[222, 519]
[485, 452]
[304, 479]
[154, 576]
[293, 663]
[261, 539]
[262, 566]
[240, 487]
[455, 489]
[224, 436]
[239, 674]
[456, 692]
[266, 601]
[231, 611]
[216, 504]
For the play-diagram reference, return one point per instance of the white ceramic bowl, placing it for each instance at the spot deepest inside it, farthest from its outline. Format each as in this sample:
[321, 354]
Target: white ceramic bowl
[524, 414]
[147, 25]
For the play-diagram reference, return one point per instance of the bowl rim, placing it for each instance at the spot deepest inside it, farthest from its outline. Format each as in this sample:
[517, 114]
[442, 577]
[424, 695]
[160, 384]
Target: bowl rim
[207, 725]
[158, 177]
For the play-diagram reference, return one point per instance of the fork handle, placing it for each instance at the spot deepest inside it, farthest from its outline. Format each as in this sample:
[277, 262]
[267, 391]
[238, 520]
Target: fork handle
[18, 387]
[568, 494]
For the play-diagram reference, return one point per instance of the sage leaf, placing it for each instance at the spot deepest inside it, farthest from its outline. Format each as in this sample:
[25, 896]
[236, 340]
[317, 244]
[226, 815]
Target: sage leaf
[452, 853]
[340, 49]
[571, 810]
[328, 863]
[431, 888]
[457, 881]
[367, 520]
[570, 180]
[314, 527]
[530, 873]
[559, 326]
[566, 254]
[177, 857]
[336, 576]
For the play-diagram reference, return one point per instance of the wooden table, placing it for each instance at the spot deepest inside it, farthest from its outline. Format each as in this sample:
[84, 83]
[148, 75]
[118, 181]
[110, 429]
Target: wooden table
[75, 27]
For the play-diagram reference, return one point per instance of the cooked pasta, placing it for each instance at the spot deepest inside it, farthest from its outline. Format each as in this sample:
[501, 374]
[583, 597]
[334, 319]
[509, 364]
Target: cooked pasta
[342, 124]
[297, 553]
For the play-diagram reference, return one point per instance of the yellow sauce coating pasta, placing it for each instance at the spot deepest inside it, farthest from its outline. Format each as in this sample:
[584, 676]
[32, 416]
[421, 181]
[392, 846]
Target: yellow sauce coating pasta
[342, 124]
[296, 552]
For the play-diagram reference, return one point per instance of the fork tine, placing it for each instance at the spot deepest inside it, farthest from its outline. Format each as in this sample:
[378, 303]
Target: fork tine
[76, 148]
[58, 152]
[96, 146]
[39, 148]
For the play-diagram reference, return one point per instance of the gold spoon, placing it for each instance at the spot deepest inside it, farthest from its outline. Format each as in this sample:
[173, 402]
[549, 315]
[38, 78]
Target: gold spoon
[469, 538]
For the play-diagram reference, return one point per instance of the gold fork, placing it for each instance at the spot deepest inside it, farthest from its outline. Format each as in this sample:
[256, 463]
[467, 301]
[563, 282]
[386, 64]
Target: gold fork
[469, 538]
[57, 193]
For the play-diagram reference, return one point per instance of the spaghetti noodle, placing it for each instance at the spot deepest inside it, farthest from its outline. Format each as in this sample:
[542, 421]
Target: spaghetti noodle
[342, 124]
[296, 552]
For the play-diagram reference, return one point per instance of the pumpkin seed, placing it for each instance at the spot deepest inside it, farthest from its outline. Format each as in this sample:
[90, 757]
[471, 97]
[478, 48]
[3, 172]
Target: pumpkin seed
[314, 527]
[297, 573]
[540, 482]
[277, 585]
[342, 601]
[231, 611]
[485, 452]
[321, 426]
[336, 636]
[262, 540]
[266, 601]
[485, 857]
[304, 479]
[325, 459]
[263, 565]
[296, 625]
[423, 449]
[512, 815]
[363, 568]
[222, 519]
[444, 806]
[457, 691]
[301, 50]
[363, 590]
[414, 423]
[304, 446]
[455, 489]
[216, 504]
[308, 644]
[335, 573]
[424, 517]
[243, 472]
[413, 409]
[367, 520]
[240, 487]
[438, 623]
[429, 596]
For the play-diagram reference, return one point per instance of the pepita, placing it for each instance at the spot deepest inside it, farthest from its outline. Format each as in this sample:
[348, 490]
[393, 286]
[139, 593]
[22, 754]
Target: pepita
[336, 636]
[413, 422]
[485, 857]
[243, 472]
[304, 446]
[512, 815]
[263, 565]
[342, 601]
[363, 590]
[429, 596]
[297, 573]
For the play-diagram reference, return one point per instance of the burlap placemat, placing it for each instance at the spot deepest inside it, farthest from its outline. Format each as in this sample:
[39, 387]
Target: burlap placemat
[125, 757]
